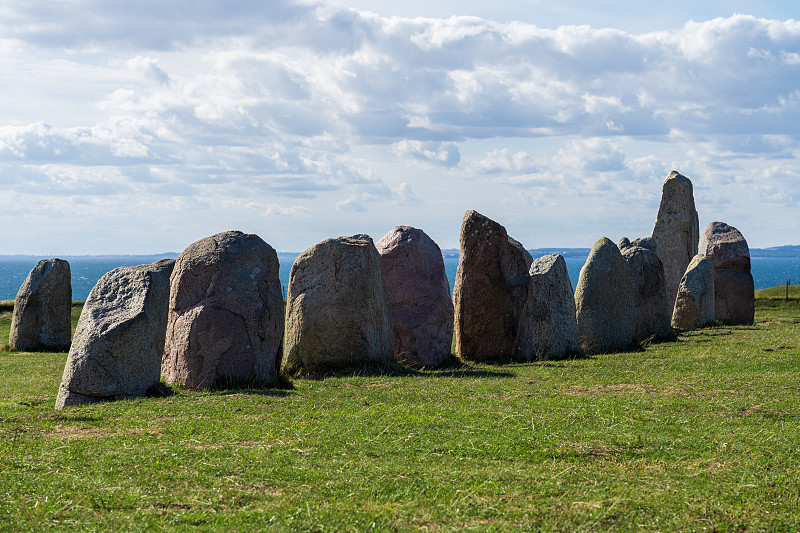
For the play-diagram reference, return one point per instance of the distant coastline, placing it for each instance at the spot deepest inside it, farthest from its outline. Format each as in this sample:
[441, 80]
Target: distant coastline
[791, 251]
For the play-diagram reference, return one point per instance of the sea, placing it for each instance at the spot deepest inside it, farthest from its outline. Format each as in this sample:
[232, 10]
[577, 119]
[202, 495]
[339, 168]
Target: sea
[87, 270]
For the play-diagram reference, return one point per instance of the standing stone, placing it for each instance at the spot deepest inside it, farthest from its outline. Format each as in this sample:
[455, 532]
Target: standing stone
[549, 312]
[652, 315]
[490, 291]
[419, 294]
[729, 254]
[225, 323]
[42, 310]
[338, 317]
[694, 305]
[119, 340]
[604, 301]
[676, 232]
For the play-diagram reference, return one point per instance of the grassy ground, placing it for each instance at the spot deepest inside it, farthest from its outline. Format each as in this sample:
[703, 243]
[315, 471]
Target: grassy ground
[699, 434]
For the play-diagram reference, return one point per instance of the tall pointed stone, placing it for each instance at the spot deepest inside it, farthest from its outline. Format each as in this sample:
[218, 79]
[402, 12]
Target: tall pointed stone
[604, 301]
[676, 232]
[490, 290]
[727, 249]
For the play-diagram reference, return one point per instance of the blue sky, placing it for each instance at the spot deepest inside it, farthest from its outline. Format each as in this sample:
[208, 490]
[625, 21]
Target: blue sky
[142, 127]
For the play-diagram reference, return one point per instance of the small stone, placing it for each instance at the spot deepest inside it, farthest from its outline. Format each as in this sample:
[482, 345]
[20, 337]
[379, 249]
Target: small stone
[694, 306]
[419, 295]
[676, 232]
[42, 318]
[338, 317]
[119, 340]
[604, 301]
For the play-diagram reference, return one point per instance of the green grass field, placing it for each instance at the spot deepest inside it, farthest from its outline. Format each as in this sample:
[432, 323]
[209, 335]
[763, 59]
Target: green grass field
[700, 434]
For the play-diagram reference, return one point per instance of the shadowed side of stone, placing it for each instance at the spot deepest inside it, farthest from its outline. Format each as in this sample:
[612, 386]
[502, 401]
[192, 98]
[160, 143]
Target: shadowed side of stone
[338, 317]
[551, 329]
[694, 306]
[42, 309]
[604, 301]
[225, 323]
[727, 249]
[118, 344]
[490, 291]
[419, 295]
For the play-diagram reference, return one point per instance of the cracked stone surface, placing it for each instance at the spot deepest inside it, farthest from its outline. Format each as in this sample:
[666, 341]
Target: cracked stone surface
[226, 321]
[119, 339]
[419, 295]
[490, 290]
[338, 316]
[42, 309]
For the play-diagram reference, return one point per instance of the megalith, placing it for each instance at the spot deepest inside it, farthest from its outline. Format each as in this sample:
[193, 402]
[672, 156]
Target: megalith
[694, 305]
[490, 291]
[729, 254]
[118, 344]
[676, 232]
[338, 317]
[652, 314]
[225, 322]
[419, 296]
[549, 312]
[604, 301]
[42, 309]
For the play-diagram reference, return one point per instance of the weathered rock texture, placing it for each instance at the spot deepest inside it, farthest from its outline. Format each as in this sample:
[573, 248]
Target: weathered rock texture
[338, 317]
[419, 294]
[549, 312]
[729, 254]
[676, 232]
[604, 301]
[652, 315]
[225, 321]
[490, 291]
[41, 320]
[694, 306]
[118, 344]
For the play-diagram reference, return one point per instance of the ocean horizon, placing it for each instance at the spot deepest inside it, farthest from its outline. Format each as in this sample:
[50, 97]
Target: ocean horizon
[770, 267]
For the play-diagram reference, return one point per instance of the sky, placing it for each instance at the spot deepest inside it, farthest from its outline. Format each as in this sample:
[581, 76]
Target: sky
[141, 127]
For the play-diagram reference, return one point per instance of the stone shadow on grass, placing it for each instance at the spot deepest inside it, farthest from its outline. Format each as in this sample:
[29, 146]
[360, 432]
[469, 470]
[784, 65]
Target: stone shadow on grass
[453, 367]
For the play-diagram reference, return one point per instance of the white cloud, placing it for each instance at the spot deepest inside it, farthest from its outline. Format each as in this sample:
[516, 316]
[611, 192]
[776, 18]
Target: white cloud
[277, 100]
